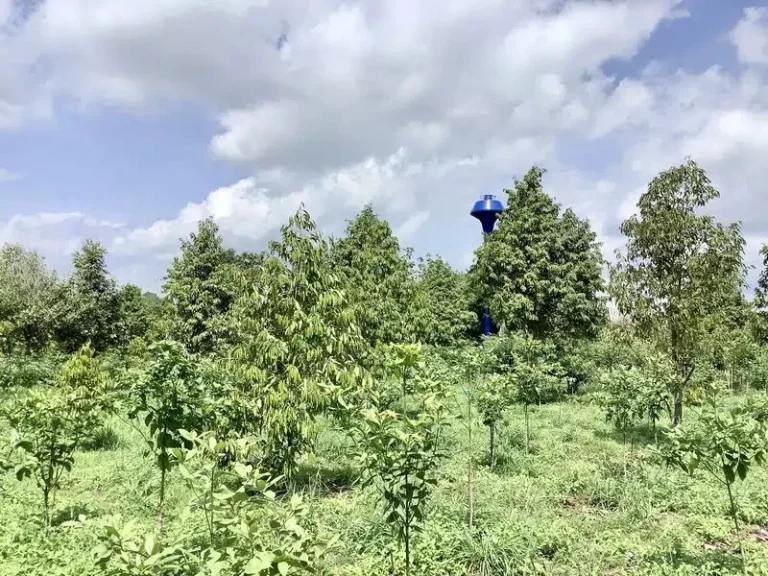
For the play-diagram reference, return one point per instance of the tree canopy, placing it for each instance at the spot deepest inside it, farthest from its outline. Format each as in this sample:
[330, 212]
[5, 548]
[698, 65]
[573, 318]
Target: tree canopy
[378, 276]
[540, 271]
[680, 267]
[197, 292]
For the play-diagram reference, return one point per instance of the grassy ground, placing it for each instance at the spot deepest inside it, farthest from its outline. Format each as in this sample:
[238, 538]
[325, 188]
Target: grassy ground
[581, 502]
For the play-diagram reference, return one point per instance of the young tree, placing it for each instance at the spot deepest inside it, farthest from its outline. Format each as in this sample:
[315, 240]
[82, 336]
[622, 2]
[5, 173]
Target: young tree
[166, 398]
[29, 300]
[536, 374]
[299, 344]
[723, 444]
[379, 278]
[442, 305]
[493, 397]
[540, 271]
[680, 268]
[92, 307]
[197, 291]
[49, 424]
[401, 449]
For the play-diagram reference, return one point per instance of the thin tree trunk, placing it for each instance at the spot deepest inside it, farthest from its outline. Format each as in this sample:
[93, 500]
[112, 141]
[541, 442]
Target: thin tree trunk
[493, 444]
[678, 417]
[470, 486]
[527, 431]
[735, 517]
[407, 533]
[161, 508]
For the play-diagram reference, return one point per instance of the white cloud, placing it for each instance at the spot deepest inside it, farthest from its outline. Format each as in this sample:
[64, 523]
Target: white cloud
[8, 175]
[409, 227]
[418, 108]
[751, 36]
[56, 235]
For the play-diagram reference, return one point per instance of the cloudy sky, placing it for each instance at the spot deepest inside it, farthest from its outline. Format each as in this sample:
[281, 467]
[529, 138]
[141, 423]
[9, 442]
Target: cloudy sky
[130, 120]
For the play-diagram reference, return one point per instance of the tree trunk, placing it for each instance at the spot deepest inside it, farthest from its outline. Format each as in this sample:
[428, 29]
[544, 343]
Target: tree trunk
[527, 431]
[493, 444]
[678, 417]
[470, 487]
[161, 507]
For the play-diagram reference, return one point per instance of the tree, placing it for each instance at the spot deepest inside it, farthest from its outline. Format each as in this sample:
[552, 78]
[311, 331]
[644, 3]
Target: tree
[540, 271]
[134, 315]
[166, 398]
[378, 277]
[197, 290]
[49, 424]
[92, 302]
[679, 268]
[723, 444]
[299, 346]
[29, 300]
[761, 299]
[401, 450]
[442, 306]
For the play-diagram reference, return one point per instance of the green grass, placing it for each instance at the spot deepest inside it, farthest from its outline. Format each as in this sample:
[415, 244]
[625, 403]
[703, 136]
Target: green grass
[580, 503]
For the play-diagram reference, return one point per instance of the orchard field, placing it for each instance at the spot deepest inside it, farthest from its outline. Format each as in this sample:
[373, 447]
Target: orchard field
[328, 406]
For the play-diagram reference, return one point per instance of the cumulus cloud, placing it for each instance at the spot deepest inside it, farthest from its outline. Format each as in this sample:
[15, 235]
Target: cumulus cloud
[415, 108]
[56, 235]
[751, 36]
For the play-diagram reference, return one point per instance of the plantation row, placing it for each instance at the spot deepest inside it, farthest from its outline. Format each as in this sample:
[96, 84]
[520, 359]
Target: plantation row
[231, 374]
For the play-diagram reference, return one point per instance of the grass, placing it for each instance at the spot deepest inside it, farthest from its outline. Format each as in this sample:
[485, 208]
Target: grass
[580, 503]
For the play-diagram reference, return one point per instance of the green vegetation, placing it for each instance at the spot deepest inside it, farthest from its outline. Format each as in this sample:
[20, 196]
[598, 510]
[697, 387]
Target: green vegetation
[326, 406]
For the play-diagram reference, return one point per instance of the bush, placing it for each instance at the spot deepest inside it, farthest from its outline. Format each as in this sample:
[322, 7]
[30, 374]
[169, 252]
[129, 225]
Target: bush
[20, 371]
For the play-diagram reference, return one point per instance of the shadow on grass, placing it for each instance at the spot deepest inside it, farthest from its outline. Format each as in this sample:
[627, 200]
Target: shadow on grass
[325, 478]
[706, 563]
[73, 512]
[638, 435]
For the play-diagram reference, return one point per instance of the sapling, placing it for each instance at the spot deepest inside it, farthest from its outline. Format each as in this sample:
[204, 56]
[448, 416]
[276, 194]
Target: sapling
[536, 376]
[249, 531]
[725, 445]
[167, 397]
[49, 424]
[493, 397]
[468, 365]
[400, 452]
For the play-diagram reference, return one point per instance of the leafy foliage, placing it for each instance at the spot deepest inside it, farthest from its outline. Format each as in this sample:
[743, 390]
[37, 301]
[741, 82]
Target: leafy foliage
[300, 346]
[197, 291]
[378, 278]
[540, 271]
[401, 451]
[166, 398]
[725, 445]
[49, 424]
[680, 267]
[442, 305]
[247, 531]
[92, 303]
[29, 300]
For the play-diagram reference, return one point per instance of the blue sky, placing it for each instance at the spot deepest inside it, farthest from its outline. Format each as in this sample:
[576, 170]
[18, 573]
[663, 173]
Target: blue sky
[128, 122]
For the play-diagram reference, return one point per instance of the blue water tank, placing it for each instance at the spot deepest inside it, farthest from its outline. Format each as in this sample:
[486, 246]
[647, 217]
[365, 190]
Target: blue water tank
[487, 210]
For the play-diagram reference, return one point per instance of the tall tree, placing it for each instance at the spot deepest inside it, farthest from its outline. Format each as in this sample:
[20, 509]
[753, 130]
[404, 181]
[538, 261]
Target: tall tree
[761, 299]
[29, 300]
[197, 292]
[442, 307]
[679, 269]
[134, 313]
[299, 345]
[93, 308]
[379, 278]
[540, 271]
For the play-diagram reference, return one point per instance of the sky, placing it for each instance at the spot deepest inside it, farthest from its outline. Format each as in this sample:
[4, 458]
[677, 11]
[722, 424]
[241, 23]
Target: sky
[129, 121]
